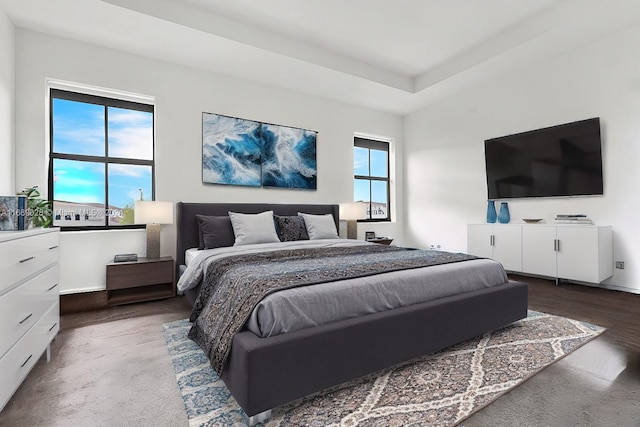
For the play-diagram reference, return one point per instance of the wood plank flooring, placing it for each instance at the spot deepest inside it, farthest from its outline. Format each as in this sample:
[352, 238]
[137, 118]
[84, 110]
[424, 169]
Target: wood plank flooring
[617, 311]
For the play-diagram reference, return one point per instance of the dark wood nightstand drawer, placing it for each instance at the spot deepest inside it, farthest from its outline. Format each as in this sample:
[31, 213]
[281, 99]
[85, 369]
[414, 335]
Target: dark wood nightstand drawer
[141, 280]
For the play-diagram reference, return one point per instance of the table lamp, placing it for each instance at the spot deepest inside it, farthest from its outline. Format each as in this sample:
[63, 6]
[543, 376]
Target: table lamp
[153, 214]
[352, 212]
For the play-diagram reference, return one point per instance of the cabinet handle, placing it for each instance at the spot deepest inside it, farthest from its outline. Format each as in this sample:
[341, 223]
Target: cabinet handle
[558, 245]
[25, 319]
[25, 362]
[27, 259]
[53, 247]
[52, 287]
[53, 326]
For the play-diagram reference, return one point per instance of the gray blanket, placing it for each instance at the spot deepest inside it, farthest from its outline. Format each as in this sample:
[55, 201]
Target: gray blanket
[234, 285]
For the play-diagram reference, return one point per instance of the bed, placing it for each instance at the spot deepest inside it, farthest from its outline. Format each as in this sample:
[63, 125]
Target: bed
[264, 372]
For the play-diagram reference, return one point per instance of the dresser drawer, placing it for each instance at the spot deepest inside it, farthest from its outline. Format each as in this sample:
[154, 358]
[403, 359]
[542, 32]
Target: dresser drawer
[16, 364]
[23, 306]
[25, 256]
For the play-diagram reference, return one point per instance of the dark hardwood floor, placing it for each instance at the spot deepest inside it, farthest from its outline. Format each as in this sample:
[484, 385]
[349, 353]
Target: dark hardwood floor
[597, 385]
[617, 311]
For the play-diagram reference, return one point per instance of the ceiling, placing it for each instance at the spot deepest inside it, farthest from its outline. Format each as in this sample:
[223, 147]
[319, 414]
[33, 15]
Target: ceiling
[391, 55]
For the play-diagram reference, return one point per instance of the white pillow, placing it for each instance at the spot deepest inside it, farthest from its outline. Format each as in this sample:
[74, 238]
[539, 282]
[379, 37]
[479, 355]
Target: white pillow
[320, 226]
[253, 228]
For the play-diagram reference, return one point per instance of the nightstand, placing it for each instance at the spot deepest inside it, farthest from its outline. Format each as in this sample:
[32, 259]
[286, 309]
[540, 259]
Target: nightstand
[382, 241]
[142, 280]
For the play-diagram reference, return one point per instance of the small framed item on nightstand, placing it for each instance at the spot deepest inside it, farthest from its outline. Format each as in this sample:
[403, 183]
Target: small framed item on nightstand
[369, 235]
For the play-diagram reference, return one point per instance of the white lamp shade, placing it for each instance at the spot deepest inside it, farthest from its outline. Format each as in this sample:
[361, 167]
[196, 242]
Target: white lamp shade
[355, 210]
[153, 212]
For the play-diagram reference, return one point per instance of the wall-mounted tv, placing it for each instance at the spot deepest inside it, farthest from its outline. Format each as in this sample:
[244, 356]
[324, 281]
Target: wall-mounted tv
[563, 160]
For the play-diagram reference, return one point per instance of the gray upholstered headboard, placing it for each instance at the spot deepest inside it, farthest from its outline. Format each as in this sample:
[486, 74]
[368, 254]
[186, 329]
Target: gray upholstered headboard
[187, 225]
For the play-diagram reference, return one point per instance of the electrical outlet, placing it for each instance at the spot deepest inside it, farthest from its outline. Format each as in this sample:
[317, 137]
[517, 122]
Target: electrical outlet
[620, 265]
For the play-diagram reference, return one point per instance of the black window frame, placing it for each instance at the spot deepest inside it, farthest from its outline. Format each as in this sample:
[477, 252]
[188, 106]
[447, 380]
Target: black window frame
[105, 159]
[373, 144]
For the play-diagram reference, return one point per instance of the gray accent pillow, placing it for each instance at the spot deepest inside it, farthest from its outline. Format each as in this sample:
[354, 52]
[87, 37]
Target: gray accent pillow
[290, 228]
[320, 226]
[253, 228]
[215, 231]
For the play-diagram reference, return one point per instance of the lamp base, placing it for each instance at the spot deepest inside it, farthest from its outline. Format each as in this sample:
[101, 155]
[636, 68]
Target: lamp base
[352, 229]
[153, 240]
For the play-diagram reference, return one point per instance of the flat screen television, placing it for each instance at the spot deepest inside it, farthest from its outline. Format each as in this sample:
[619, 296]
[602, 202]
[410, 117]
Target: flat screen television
[563, 160]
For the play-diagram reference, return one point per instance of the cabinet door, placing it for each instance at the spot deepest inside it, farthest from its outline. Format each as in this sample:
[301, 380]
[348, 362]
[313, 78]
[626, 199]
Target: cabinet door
[479, 240]
[507, 246]
[578, 253]
[538, 250]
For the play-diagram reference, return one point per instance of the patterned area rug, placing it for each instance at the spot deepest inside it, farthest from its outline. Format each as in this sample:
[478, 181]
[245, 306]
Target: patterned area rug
[440, 389]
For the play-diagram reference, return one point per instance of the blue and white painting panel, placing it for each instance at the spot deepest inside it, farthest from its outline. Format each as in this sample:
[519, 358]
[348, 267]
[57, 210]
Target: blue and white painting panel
[288, 157]
[231, 150]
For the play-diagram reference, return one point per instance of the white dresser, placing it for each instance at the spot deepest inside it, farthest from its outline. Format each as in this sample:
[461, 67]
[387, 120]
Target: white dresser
[29, 303]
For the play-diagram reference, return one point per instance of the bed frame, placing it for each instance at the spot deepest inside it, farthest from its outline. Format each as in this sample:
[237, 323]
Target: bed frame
[263, 373]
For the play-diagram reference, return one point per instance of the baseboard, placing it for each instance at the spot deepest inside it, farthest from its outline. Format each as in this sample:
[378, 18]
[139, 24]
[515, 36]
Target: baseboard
[621, 288]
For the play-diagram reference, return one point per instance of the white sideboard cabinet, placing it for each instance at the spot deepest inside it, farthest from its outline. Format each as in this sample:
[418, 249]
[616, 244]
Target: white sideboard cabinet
[501, 242]
[29, 303]
[574, 252]
[581, 253]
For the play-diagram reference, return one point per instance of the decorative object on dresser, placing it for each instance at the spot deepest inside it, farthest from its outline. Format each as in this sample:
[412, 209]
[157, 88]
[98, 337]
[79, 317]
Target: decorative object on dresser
[573, 219]
[491, 212]
[29, 303]
[153, 214]
[142, 280]
[503, 216]
[39, 211]
[352, 212]
[12, 213]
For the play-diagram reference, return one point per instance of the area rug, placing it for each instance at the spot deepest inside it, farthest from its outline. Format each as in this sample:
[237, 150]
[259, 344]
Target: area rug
[440, 389]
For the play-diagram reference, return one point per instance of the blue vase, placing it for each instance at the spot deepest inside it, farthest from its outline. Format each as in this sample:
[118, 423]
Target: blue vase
[491, 211]
[503, 216]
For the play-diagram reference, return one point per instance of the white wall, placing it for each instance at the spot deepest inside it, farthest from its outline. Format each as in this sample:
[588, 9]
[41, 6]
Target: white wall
[182, 94]
[444, 147]
[7, 99]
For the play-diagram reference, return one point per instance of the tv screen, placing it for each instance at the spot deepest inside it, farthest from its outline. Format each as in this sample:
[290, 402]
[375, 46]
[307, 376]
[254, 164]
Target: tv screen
[563, 160]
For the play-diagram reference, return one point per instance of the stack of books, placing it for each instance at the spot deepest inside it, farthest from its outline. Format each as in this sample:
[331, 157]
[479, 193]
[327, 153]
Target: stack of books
[572, 219]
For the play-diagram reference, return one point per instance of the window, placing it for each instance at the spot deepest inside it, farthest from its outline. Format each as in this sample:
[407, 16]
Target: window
[371, 177]
[101, 159]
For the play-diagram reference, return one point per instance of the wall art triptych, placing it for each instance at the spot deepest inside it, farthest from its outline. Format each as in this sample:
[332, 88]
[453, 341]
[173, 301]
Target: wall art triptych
[245, 152]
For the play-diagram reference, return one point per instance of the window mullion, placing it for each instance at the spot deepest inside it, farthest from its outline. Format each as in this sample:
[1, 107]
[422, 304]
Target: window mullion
[106, 166]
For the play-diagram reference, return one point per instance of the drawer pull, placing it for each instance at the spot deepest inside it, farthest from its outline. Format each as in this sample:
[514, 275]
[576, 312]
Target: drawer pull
[27, 259]
[53, 326]
[53, 247]
[52, 287]
[25, 319]
[26, 361]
